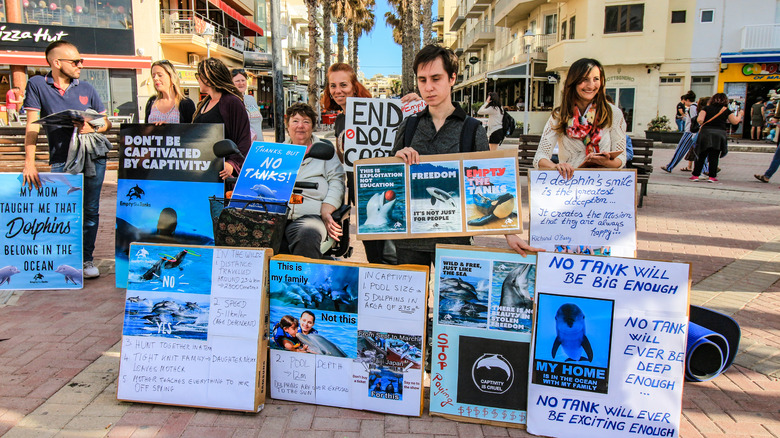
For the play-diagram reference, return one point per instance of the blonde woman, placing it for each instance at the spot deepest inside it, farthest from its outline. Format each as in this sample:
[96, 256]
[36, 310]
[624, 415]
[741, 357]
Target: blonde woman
[169, 105]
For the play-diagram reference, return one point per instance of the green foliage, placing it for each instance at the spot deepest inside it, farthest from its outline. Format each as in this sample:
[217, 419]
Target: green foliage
[476, 106]
[659, 124]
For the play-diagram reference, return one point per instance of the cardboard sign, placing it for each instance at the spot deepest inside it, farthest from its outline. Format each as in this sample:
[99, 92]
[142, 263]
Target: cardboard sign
[348, 335]
[609, 346]
[269, 172]
[444, 195]
[194, 326]
[165, 178]
[593, 213]
[481, 334]
[369, 130]
[41, 232]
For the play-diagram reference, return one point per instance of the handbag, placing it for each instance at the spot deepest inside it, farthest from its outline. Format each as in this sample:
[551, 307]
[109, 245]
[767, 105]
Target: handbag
[243, 227]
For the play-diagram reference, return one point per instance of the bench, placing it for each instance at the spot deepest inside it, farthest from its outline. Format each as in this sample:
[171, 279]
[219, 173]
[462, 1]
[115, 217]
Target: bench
[642, 161]
[12, 149]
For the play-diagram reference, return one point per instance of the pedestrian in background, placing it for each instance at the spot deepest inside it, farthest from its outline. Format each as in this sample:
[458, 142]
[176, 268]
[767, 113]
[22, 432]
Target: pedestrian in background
[679, 114]
[688, 138]
[757, 119]
[250, 103]
[492, 109]
[13, 101]
[169, 105]
[712, 142]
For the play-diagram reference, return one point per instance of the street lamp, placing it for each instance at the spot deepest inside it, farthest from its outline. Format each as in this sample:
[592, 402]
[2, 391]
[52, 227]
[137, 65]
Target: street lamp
[527, 40]
[208, 35]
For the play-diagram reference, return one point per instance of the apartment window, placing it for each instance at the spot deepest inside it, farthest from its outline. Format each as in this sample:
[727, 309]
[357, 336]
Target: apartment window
[625, 18]
[563, 30]
[571, 27]
[678, 16]
[707, 15]
[702, 85]
[671, 80]
[550, 24]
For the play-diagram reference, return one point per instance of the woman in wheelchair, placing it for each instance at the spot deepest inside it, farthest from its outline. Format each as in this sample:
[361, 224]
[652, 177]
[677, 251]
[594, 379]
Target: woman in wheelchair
[312, 222]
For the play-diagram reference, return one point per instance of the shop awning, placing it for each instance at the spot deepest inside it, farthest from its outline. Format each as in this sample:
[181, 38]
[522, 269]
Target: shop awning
[252, 29]
[749, 57]
[514, 71]
[37, 59]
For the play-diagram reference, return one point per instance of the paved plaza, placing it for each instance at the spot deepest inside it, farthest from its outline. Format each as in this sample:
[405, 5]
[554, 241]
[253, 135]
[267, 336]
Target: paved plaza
[59, 350]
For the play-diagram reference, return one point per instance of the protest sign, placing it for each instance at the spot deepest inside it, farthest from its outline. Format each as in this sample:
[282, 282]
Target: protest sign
[268, 172]
[481, 333]
[166, 175]
[348, 335]
[593, 213]
[369, 130]
[444, 195]
[193, 330]
[41, 232]
[609, 346]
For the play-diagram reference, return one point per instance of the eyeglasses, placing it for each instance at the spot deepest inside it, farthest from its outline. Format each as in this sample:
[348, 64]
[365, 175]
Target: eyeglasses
[75, 62]
[237, 71]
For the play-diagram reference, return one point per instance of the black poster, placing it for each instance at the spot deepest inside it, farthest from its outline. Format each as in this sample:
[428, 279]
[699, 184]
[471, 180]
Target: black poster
[35, 38]
[493, 373]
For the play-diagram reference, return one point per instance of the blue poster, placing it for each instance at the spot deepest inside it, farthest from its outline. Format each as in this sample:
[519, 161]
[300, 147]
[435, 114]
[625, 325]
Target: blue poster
[481, 333]
[491, 193]
[435, 197]
[41, 232]
[268, 173]
[381, 193]
[166, 176]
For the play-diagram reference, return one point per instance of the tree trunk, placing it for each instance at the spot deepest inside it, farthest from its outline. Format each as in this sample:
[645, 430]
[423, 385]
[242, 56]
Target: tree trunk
[340, 39]
[352, 39]
[354, 48]
[314, 54]
[407, 48]
[416, 24]
[427, 21]
[326, 34]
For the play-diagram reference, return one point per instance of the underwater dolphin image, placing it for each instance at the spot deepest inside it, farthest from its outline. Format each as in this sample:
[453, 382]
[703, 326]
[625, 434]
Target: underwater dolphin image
[514, 290]
[570, 333]
[441, 196]
[53, 178]
[493, 206]
[6, 273]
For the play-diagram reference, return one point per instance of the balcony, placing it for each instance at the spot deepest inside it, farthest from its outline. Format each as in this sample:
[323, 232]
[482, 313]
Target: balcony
[458, 16]
[515, 10]
[298, 46]
[475, 8]
[760, 37]
[478, 37]
[183, 28]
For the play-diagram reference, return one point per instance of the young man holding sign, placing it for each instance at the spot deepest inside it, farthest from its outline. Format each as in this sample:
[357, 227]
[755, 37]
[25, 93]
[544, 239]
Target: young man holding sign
[438, 130]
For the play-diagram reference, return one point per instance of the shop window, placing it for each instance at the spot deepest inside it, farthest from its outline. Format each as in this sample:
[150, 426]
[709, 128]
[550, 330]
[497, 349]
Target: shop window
[116, 14]
[624, 99]
[624, 18]
[678, 16]
[571, 27]
[707, 15]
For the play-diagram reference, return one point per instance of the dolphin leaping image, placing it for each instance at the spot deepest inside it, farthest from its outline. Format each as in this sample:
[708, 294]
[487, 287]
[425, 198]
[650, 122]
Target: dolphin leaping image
[440, 195]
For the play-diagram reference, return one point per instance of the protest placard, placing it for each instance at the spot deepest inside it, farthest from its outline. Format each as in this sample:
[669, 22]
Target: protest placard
[195, 317]
[609, 346]
[444, 195]
[592, 213]
[369, 130]
[165, 178]
[41, 232]
[268, 173]
[348, 335]
[481, 334]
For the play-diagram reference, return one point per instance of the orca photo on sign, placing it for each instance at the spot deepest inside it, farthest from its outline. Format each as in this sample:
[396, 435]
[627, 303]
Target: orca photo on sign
[492, 372]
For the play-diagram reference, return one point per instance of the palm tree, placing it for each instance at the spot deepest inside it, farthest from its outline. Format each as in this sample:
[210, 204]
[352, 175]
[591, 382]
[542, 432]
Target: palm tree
[362, 21]
[427, 21]
[327, 12]
[402, 26]
[342, 10]
[314, 54]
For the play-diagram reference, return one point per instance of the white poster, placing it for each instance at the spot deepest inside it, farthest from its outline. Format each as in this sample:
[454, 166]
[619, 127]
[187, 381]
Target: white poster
[609, 345]
[593, 213]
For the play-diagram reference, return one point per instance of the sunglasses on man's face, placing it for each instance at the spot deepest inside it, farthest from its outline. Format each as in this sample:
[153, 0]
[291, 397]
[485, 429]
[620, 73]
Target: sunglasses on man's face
[75, 62]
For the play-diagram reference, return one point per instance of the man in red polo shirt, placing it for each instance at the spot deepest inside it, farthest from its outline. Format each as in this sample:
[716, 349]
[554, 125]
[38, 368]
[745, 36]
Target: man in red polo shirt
[58, 91]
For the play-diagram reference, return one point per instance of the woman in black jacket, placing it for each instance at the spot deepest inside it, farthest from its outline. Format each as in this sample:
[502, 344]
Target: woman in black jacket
[169, 105]
[712, 142]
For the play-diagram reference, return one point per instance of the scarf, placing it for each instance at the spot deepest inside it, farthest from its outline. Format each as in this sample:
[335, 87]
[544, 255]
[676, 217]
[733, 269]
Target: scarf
[584, 128]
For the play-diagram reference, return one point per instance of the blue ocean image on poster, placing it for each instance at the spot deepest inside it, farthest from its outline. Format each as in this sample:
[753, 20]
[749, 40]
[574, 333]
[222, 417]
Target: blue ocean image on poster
[174, 212]
[596, 319]
[314, 285]
[166, 315]
[381, 198]
[490, 181]
[336, 332]
[269, 172]
[463, 301]
[385, 383]
[170, 268]
[435, 197]
[525, 281]
[41, 232]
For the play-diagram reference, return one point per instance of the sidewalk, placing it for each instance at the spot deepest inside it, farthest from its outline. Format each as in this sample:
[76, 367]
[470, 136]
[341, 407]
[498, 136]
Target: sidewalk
[59, 352]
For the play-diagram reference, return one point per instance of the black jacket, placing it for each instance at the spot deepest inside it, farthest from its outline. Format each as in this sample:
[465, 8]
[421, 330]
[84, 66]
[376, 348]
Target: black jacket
[186, 109]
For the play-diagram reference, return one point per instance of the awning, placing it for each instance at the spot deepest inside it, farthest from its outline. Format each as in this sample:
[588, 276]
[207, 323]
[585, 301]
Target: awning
[90, 61]
[252, 28]
[513, 71]
[749, 57]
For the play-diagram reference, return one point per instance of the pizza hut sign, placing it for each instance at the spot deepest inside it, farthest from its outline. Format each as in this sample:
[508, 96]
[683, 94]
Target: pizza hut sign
[41, 35]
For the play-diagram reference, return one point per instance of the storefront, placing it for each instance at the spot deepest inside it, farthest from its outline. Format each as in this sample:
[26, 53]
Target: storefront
[745, 77]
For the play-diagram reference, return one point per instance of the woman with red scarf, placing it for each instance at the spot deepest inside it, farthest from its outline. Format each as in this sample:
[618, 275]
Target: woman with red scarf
[589, 131]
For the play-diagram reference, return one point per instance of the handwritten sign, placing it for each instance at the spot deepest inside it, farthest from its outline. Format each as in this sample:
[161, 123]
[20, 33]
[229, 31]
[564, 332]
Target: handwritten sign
[371, 125]
[592, 213]
[157, 164]
[193, 327]
[481, 333]
[444, 195]
[349, 335]
[609, 343]
[268, 173]
[41, 232]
